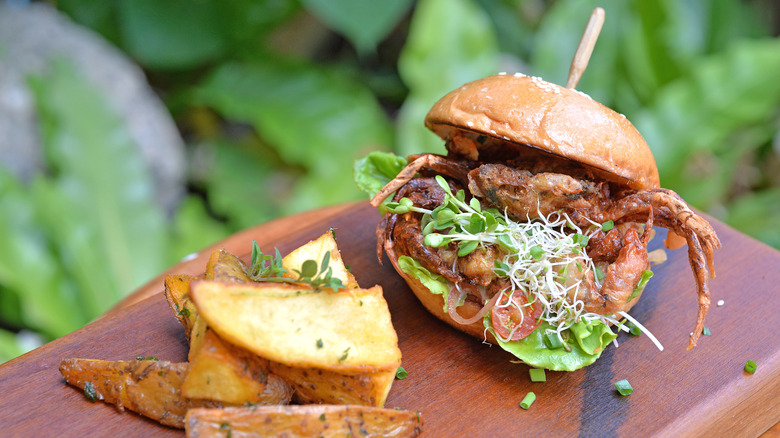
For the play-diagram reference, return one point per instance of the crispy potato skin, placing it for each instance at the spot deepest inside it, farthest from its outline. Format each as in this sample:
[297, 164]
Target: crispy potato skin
[303, 421]
[149, 387]
[177, 293]
[226, 267]
[333, 387]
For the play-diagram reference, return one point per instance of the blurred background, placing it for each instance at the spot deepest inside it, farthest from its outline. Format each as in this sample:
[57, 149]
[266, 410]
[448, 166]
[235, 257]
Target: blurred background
[135, 132]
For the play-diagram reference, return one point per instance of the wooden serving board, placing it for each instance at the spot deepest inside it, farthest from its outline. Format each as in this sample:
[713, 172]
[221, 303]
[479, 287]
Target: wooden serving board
[462, 386]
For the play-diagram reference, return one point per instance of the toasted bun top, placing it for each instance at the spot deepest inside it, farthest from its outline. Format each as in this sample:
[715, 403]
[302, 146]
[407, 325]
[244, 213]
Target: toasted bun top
[528, 111]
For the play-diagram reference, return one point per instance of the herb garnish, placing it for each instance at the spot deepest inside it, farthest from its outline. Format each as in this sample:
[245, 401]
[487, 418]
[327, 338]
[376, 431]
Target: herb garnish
[90, 392]
[269, 268]
[344, 355]
[146, 358]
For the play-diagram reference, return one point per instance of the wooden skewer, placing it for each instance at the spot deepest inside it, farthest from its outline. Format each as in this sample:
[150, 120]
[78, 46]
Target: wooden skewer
[584, 50]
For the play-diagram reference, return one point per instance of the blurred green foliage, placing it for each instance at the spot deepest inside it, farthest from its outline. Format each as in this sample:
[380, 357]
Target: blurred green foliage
[277, 98]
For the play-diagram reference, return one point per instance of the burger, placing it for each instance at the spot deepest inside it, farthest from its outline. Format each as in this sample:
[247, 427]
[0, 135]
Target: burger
[531, 232]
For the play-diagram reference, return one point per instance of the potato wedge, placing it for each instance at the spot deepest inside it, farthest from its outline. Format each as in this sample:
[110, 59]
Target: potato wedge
[315, 250]
[177, 293]
[277, 392]
[224, 372]
[303, 421]
[149, 387]
[226, 267]
[348, 331]
[332, 387]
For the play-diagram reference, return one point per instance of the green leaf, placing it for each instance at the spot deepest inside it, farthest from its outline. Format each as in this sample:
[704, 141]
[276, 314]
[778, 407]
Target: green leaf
[157, 39]
[467, 247]
[583, 352]
[245, 184]
[180, 34]
[694, 125]
[313, 117]
[435, 283]
[99, 207]
[31, 275]
[9, 346]
[309, 269]
[592, 336]
[375, 170]
[758, 215]
[364, 23]
[450, 42]
[193, 229]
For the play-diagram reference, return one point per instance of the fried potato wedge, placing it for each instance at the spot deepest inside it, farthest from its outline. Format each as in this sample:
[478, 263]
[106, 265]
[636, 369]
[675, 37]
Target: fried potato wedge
[177, 293]
[149, 387]
[277, 392]
[226, 267]
[332, 387]
[224, 372]
[347, 331]
[316, 250]
[303, 421]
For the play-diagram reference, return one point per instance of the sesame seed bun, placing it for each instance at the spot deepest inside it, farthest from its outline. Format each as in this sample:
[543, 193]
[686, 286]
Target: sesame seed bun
[524, 110]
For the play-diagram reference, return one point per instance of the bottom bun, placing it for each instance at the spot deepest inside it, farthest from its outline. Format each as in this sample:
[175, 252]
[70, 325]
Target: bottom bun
[435, 304]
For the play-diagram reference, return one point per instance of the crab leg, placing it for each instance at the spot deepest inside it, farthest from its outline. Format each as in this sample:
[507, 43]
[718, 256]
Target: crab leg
[443, 165]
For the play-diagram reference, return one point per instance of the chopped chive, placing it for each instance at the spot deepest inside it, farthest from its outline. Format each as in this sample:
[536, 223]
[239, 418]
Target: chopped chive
[705, 331]
[606, 226]
[552, 341]
[528, 400]
[401, 373]
[537, 375]
[623, 387]
[750, 367]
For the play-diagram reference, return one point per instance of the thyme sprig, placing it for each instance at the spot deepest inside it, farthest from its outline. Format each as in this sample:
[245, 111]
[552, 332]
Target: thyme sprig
[270, 268]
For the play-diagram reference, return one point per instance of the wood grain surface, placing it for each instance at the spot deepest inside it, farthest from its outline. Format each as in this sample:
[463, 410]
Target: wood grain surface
[462, 386]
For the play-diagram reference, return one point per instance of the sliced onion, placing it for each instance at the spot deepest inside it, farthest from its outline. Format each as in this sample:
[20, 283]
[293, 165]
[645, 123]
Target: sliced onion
[452, 302]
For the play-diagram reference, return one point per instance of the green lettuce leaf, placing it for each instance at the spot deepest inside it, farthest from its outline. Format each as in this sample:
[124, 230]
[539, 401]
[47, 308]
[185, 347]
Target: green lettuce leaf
[592, 336]
[434, 282]
[586, 343]
[586, 346]
[376, 169]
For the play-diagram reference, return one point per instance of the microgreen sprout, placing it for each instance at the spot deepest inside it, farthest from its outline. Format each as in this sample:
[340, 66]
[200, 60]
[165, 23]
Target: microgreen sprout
[270, 268]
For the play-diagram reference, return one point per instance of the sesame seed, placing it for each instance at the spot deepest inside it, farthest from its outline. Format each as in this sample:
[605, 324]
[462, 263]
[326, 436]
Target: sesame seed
[721, 302]
[470, 123]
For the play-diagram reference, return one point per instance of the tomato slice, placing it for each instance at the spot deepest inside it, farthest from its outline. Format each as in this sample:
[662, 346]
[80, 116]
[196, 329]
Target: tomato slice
[515, 318]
